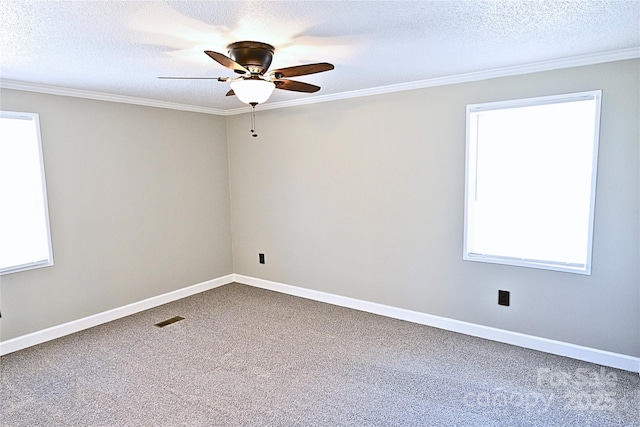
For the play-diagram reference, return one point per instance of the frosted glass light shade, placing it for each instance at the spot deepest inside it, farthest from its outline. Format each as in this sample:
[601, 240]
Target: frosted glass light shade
[252, 91]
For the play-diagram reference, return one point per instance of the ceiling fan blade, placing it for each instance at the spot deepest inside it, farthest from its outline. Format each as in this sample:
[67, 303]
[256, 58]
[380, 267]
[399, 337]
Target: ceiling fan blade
[225, 61]
[230, 93]
[220, 79]
[296, 86]
[301, 70]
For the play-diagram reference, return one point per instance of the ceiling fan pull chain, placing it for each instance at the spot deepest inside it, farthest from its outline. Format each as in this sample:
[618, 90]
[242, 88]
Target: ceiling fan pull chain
[253, 120]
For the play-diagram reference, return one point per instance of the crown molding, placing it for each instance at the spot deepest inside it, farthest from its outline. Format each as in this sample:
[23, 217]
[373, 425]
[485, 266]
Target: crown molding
[102, 96]
[575, 61]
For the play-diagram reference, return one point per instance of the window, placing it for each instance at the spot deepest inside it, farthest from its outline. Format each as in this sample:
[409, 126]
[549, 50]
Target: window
[530, 181]
[25, 242]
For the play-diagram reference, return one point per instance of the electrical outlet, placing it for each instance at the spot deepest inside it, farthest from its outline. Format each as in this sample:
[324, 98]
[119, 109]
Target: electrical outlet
[503, 298]
[261, 258]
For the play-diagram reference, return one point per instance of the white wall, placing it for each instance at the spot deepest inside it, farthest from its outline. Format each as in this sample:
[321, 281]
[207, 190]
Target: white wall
[138, 203]
[364, 198]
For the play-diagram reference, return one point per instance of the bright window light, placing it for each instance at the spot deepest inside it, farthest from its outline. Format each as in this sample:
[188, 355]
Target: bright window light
[530, 181]
[25, 241]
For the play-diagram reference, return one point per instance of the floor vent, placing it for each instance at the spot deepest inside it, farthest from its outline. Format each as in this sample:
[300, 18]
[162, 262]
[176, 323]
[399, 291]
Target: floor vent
[168, 321]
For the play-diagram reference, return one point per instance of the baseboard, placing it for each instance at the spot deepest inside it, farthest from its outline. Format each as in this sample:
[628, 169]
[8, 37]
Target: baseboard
[58, 331]
[600, 357]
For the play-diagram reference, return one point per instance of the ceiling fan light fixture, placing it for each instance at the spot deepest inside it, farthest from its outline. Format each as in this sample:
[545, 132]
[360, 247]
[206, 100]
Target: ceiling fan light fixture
[252, 91]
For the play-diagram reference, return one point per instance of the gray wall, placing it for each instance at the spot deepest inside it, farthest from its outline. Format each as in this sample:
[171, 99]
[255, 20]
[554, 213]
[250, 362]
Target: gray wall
[361, 197]
[138, 204]
[364, 198]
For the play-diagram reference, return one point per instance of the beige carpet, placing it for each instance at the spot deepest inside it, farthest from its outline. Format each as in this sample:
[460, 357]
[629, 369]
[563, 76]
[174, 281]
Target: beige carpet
[248, 357]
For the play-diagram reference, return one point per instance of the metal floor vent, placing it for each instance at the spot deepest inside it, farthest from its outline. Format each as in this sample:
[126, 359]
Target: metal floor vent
[168, 321]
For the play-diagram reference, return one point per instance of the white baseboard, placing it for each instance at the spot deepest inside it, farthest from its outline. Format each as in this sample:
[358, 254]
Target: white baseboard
[58, 331]
[600, 357]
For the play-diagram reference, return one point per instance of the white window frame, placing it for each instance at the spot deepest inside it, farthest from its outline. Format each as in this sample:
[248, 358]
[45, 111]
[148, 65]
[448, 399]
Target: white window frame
[48, 261]
[470, 181]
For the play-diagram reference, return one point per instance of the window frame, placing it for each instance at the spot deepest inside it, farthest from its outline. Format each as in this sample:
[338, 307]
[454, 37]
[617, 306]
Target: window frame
[45, 204]
[585, 269]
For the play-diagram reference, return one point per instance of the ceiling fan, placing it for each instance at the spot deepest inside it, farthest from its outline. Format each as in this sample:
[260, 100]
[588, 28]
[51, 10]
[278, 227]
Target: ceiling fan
[255, 84]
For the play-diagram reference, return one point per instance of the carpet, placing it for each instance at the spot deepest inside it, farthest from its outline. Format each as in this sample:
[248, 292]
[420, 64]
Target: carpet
[243, 356]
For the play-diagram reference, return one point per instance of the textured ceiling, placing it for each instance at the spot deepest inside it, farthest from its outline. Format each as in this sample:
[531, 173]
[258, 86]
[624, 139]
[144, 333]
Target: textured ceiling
[120, 47]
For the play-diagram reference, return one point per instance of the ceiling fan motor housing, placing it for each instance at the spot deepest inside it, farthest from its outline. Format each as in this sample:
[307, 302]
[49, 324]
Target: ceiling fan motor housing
[254, 56]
